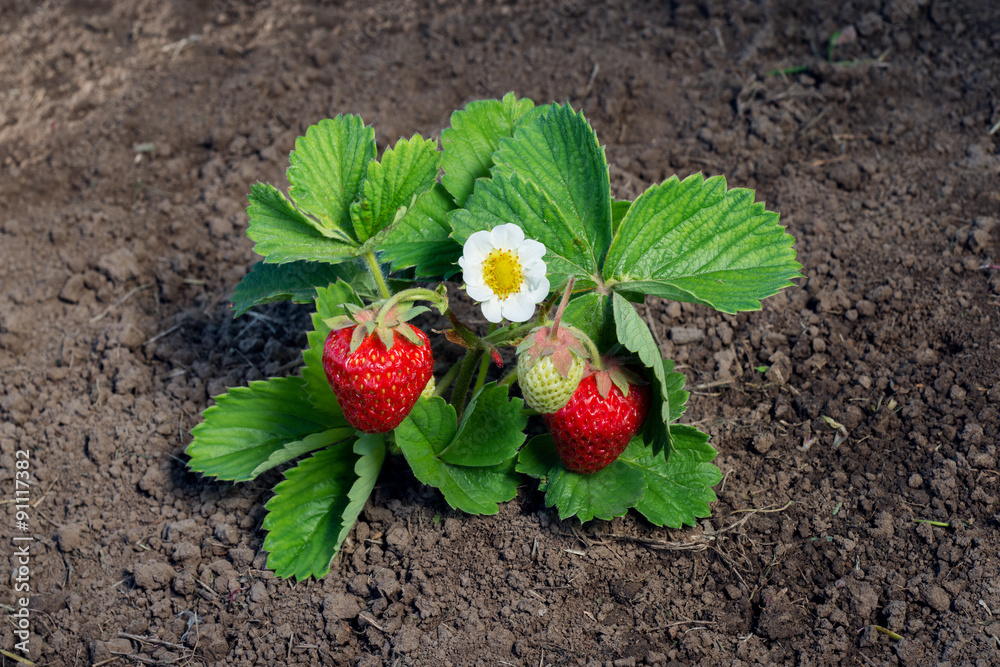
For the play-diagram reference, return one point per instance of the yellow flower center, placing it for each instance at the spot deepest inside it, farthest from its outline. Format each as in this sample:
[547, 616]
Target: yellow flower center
[502, 273]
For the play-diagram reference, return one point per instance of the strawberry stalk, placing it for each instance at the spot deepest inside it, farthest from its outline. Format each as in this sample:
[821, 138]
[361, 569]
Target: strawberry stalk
[440, 301]
[376, 272]
[483, 365]
[464, 379]
[562, 307]
[445, 382]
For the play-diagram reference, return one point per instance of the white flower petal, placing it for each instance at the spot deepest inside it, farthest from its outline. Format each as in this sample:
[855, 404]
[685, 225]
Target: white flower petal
[477, 246]
[534, 272]
[507, 237]
[530, 252]
[492, 310]
[473, 274]
[536, 291]
[479, 292]
[519, 308]
[534, 287]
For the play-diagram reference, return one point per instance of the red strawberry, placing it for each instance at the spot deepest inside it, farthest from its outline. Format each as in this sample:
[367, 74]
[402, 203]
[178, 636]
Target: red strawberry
[377, 387]
[592, 430]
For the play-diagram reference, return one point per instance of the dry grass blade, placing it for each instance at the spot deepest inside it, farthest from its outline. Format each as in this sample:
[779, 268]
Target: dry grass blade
[705, 539]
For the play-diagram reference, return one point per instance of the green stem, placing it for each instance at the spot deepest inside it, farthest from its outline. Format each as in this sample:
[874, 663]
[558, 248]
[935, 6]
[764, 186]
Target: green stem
[464, 379]
[508, 379]
[484, 364]
[376, 271]
[439, 300]
[562, 307]
[509, 333]
[446, 381]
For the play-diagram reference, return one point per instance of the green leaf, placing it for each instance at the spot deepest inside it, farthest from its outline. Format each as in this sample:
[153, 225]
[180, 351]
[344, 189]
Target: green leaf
[284, 234]
[327, 167]
[619, 208]
[604, 494]
[248, 425]
[310, 443]
[294, 281]
[591, 313]
[422, 239]
[431, 427]
[404, 172]
[676, 394]
[691, 444]
[510, 199]
[693, 240]
[370, 449]
[313, 509]
[468, 145]
[678, 489]
[558, 150]
[491, 432]
[635, 335]
[537, 458]
[329, 303]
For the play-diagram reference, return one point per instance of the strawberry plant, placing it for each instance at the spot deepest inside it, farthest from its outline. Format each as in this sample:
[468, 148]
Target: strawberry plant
[515, 207]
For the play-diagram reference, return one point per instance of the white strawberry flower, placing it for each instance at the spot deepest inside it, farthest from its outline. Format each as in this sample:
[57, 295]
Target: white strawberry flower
[505, 272]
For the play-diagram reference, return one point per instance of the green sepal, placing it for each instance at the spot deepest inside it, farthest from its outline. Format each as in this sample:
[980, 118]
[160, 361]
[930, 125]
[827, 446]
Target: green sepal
[475, 132]
[330, 303]
[291, 281]
[284, 234]
[327, 169]
[248, 425]
[316, 505]
[693, 240]
[359, 334]
[407, 332]
[678, 489]
[430, 428]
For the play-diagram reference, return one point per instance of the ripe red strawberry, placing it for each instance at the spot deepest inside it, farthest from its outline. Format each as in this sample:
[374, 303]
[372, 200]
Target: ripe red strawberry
[592, 430]
[377, 387]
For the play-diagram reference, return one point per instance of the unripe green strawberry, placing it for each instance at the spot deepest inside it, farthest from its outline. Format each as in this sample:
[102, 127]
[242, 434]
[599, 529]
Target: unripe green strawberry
[429, 389]
[544, 388]
[550, 363]
[377, 386]
[592, 430]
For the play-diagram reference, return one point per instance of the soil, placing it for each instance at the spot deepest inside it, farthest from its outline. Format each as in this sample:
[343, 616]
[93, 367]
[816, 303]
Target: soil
[130, 133]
